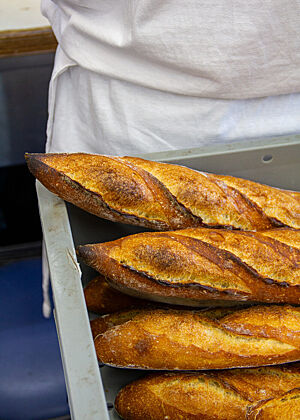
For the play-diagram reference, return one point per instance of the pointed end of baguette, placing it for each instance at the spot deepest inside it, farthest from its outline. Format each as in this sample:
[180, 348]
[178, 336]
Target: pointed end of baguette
[88, 254]
[35, 163]
[43, 167]
[85, 252]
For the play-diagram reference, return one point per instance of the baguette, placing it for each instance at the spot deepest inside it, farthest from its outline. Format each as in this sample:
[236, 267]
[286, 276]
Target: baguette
[163, 196]
[186, 340]
[224, 395]
[102, 299]
[285, 407]
[105, 322]
[196, 266]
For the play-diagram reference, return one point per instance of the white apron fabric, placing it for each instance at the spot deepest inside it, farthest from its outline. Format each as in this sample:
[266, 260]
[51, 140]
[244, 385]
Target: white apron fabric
[132, 76]
[228, 49]
[141, 76]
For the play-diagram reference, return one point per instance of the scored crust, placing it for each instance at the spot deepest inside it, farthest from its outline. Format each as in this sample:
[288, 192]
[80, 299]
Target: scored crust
[285, 407]
[187, 340]
[220, 395]
[194, 266]
[163, 196]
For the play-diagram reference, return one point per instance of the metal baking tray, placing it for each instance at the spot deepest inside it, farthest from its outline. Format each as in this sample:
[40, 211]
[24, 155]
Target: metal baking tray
[91, 388]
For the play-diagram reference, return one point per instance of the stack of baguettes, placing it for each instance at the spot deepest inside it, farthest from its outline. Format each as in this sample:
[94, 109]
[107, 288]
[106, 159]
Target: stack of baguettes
[219, 242]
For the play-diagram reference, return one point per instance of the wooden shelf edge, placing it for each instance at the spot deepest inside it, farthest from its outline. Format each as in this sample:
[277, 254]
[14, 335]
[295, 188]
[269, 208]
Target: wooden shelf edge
[27, 41]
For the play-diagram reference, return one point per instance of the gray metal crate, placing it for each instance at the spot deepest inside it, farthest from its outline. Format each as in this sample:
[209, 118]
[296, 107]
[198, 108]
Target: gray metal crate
[92, 389]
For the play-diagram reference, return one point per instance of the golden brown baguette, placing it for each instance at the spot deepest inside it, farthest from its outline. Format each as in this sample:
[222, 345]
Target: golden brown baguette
[224, 395]
[102, 299]
[187, 340]
[163, 196]
[285, 407]
[193, 266]
[105, 322]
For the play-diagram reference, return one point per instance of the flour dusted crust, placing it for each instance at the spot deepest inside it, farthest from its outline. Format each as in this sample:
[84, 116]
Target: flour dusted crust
[105, 322]
[222, 395]
[163, 196]
[187, 340]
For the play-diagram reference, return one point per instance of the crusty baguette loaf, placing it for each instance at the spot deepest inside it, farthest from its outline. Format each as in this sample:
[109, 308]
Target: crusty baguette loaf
[187, 340]
[223, 395]
[101, 298]
[191, 266]
[284, 407]
[105, 322]
[163, 196]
